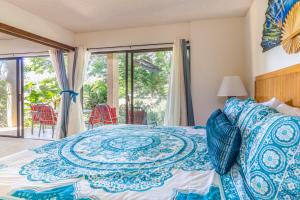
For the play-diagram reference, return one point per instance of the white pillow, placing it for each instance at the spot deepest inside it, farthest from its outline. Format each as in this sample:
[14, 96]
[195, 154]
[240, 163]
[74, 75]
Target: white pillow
[273, 103]
[288, 110]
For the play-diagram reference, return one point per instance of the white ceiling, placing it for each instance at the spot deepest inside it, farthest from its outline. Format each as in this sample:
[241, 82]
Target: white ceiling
[93, 15]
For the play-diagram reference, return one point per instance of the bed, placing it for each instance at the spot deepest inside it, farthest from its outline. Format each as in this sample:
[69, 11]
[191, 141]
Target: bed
[152, 162]
[114, 162]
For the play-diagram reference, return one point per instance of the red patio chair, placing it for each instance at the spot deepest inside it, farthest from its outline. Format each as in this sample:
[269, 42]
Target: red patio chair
[113, 112]
[47, 118]
[139, 116]
[34, 110]
[103, 114]
[95, 118]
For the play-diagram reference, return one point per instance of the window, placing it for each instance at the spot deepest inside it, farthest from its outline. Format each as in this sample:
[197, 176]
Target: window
[134, 82]
[40, 88]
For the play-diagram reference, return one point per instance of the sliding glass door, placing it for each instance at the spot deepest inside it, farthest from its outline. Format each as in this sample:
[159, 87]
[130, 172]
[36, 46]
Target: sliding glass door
[41, 98]
[140, 80]
[134, 82]
[148, 83]
[29, 98]
[11, 101]
[105, 83]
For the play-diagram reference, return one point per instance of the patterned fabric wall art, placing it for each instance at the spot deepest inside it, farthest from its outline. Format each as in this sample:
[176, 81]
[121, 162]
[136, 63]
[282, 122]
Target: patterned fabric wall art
[291, 31]
[276, 16]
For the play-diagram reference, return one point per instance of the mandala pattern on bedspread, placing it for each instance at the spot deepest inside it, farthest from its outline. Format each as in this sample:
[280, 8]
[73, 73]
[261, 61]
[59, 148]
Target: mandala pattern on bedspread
[120, 158]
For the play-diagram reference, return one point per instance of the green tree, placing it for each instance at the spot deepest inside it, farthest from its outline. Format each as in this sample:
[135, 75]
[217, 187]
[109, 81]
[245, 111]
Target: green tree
[38, 65]
[40, 84]
[147, 83]
[95, 93]
[95, 86]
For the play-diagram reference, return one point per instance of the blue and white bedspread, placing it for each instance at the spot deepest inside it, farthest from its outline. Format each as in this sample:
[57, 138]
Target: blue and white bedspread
[114, 162]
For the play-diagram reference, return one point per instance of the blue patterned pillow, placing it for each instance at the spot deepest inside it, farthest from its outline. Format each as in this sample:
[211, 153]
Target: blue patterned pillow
[223, 142]
[233, 108]
[271, 146]
[290, 187]
[251, 116]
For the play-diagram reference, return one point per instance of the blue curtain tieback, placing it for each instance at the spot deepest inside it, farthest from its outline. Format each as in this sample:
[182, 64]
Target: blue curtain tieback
[72, 94]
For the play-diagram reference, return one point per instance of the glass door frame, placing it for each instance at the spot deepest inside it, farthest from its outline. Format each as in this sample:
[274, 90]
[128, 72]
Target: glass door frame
[20, 94]
[129, 66]
[132, 66]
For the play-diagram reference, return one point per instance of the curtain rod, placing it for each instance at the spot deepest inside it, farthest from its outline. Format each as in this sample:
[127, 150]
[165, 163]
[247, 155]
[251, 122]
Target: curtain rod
[130, 46]
[97, 48]
[26, 53]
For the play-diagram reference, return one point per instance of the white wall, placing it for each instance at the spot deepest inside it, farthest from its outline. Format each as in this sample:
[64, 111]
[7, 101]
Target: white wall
[258, 62]
[16, 45]
[17, 17]
[133, 36]
[217, 48]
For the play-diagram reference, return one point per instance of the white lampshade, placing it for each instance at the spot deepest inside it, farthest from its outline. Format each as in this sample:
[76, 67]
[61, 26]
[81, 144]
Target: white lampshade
[232, 86]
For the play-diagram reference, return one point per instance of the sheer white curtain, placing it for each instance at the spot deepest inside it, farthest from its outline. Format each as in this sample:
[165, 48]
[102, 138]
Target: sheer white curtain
[58, 62]
[77, 65]
[176, 104]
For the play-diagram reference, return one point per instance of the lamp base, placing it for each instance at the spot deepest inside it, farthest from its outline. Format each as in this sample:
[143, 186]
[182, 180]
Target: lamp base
[229, 97]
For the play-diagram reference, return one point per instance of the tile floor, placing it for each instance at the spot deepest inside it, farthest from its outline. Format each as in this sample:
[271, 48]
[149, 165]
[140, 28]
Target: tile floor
[10, 146]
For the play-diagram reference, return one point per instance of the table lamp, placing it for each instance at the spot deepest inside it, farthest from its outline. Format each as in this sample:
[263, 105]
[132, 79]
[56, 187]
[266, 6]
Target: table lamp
[232, 86]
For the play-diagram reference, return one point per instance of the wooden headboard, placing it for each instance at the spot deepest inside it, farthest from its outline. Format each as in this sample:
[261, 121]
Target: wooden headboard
[283, 84]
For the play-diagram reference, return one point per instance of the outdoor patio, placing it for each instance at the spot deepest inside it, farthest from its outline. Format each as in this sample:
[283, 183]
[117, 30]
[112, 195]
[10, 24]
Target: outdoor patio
[45, 135]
